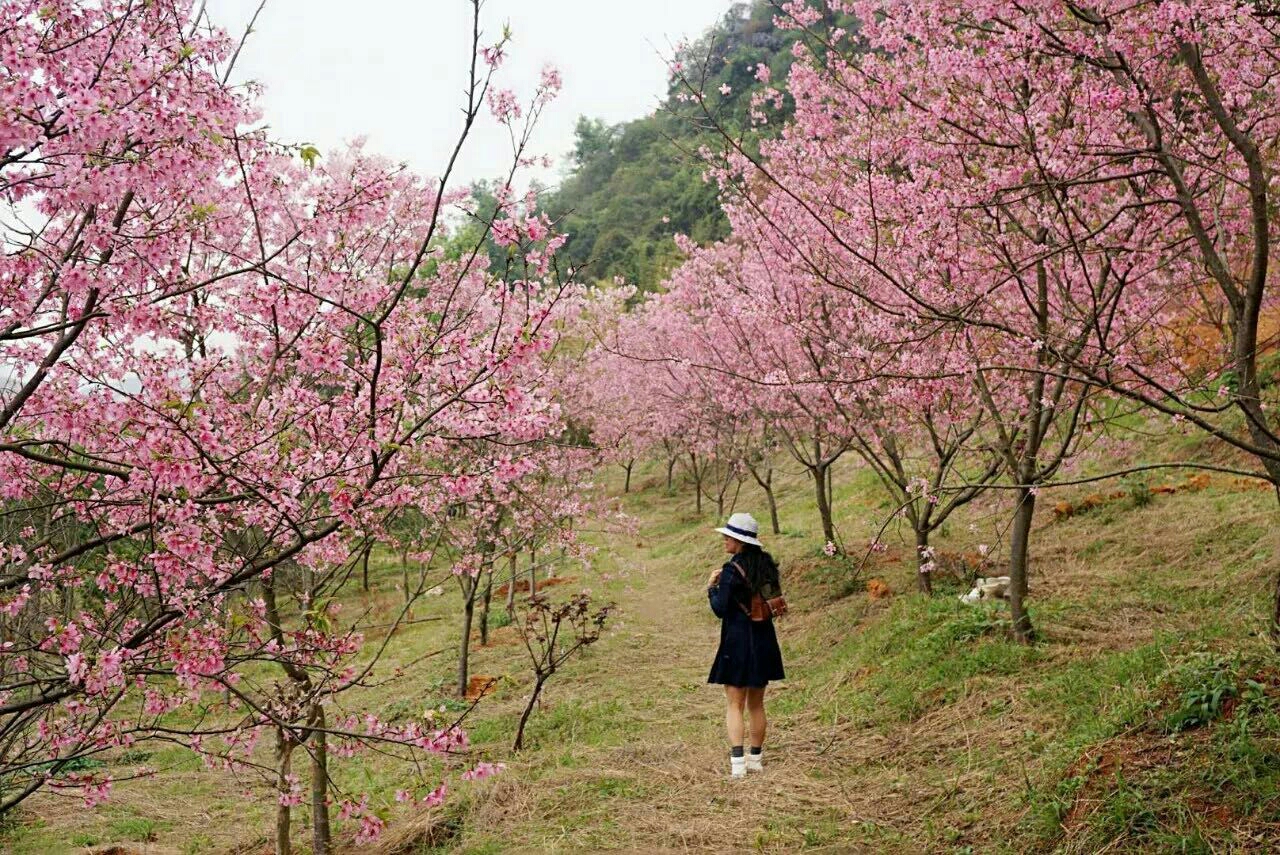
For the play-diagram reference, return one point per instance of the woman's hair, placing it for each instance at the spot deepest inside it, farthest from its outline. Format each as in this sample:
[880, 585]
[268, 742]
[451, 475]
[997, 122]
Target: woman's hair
[761, 570]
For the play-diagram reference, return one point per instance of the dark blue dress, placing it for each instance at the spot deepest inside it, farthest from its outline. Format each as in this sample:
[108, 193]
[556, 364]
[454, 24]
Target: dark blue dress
[749, 653]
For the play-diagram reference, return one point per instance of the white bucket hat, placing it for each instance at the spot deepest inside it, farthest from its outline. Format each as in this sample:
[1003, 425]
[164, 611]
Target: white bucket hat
[742, 527]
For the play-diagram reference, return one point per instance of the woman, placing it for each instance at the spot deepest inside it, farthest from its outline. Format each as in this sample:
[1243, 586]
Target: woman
[748, 657]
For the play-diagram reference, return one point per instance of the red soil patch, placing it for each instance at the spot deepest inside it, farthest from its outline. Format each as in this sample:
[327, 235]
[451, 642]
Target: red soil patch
[1194, 484]
[878, 589]
[480, 685]
[1129, 756]
[960, 565]
[498, 636]
[522, 585]
[799, 568]
[1200, 341]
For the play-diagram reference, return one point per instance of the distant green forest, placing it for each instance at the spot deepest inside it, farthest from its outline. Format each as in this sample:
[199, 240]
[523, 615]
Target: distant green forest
[625, 179]
[629, 188]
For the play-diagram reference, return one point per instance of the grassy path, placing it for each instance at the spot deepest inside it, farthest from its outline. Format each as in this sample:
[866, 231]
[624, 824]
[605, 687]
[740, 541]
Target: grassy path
[631, 754]
[907, 724]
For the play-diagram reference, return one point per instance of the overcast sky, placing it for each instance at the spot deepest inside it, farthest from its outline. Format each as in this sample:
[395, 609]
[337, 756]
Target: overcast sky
[394, 70]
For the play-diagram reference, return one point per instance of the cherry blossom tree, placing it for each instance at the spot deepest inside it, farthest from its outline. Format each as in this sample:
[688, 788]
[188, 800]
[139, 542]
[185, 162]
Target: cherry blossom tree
[909, 183]
[656, 407]
[803, 355]
[1111, 160]
[231, 366]
[1181, 116]
[721, 324]
[536, 502]
[598, 386]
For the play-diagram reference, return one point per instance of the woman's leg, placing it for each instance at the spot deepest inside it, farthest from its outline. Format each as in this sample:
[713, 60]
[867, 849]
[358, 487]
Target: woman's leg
[736, 697]
[755, 708]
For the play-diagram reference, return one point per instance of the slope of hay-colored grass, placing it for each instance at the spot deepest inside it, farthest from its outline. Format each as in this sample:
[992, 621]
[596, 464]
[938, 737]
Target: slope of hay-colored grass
[907, 724]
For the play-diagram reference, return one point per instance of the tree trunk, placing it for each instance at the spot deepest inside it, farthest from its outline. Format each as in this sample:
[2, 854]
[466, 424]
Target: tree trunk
[831, 492]
[697, 482]
[1018, 570]
[528, 710]
[671, 469]
[923, 577]
[484, 608]
[824, 506]
[767, 484]
[464, 650]
[404, 571]
[320, 835]
[1275, 617]
[1274, 470]
[1275, 609]
[511, 588]
[364, 566]
[626, 485]
[284, 768]
[533, 572]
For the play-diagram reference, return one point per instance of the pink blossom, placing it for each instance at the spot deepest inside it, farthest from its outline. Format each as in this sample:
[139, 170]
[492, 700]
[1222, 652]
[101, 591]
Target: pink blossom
[505, 232]
[483, 770]
[550, 80]
[371, 828]
[435, 797]
[504, 106]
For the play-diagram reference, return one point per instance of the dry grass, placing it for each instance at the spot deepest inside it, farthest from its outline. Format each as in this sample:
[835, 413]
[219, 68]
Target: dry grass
[906, 725]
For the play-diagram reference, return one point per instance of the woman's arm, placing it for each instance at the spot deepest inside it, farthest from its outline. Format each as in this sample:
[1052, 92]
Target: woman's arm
[719, 594]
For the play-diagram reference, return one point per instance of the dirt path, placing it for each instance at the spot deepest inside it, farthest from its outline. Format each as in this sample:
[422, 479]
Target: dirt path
[655, 777]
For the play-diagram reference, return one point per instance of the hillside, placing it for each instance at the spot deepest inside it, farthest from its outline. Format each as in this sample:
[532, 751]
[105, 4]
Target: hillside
[907, 723]
[631, 186]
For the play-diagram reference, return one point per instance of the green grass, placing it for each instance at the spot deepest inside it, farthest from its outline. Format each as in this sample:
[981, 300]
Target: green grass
[140, 829]
[1146, 716]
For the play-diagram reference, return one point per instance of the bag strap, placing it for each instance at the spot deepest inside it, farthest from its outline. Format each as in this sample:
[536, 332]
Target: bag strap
[746, 610]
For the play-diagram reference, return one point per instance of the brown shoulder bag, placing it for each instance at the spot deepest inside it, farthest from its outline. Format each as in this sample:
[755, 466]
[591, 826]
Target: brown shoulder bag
[761, 608]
